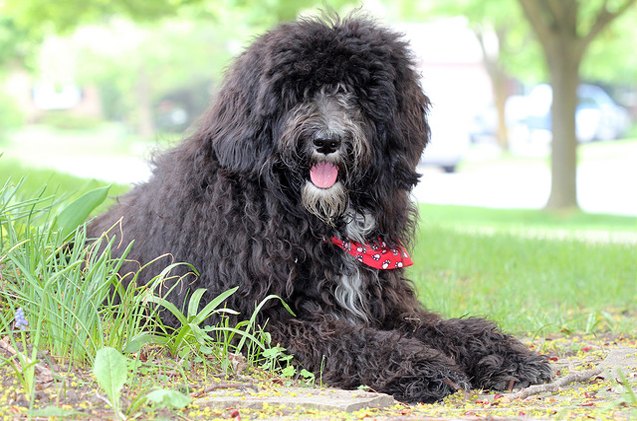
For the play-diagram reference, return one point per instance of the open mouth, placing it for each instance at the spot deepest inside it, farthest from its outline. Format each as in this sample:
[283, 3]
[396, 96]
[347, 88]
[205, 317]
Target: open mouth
[323, 174]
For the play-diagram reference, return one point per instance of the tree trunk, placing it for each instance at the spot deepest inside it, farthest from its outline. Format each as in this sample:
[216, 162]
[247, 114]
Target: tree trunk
[489, 40]
[556, 25]
[564, 64]
[500, 95]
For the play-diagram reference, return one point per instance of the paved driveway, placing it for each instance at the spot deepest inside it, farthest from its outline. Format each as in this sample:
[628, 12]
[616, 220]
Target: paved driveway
[603, 187]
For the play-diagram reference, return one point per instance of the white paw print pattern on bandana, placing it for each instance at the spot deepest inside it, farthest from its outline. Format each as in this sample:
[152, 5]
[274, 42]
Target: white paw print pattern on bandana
[375, 254]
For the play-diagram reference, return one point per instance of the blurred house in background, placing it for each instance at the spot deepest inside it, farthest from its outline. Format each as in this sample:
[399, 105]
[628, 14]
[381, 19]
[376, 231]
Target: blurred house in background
[54, 93]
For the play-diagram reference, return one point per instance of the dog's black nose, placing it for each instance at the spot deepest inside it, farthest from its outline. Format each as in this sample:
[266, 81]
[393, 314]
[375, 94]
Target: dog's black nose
[327, 144]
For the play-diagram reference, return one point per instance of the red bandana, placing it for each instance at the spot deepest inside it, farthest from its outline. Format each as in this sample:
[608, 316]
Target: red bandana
[376, 255]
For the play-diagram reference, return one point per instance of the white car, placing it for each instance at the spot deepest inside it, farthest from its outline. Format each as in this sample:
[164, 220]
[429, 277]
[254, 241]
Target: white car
[450, 139]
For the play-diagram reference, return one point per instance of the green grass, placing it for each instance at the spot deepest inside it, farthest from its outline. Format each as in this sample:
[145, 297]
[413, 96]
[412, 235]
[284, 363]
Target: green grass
[62, 300]
[521, 219]
[532, 271]
[527, 285]
[43, 182]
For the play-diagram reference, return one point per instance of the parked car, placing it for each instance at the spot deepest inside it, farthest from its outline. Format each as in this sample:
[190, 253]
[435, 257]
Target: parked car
[449, 141]
[597, 117]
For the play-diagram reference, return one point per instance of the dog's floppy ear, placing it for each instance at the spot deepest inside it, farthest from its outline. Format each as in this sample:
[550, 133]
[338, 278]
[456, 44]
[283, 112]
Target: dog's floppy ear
[241, 143]
[238, 128]
[410, 119]
[409, 132]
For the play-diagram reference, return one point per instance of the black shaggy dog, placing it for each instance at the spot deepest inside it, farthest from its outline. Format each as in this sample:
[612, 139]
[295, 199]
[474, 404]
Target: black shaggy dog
[297, 183]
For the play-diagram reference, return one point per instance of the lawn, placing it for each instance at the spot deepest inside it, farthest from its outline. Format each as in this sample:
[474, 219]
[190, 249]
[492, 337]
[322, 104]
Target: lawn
[46, 182]
[532, 272]
[529, 285]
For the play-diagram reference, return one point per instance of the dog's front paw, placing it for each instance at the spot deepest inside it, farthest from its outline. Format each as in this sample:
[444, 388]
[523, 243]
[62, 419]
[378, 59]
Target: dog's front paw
[515, 369]
[431, 384]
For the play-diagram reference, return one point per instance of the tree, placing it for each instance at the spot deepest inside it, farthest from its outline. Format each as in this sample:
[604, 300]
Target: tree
[565, 30]
[46, 16]
[43, 17]
[607, 60]
[16, 46]
[496, 25]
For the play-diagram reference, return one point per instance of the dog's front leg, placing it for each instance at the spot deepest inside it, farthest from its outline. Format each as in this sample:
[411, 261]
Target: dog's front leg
[347, 356]
[491, 359]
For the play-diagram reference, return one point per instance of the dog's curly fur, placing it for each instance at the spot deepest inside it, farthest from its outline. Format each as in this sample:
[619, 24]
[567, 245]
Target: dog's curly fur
[236, 199]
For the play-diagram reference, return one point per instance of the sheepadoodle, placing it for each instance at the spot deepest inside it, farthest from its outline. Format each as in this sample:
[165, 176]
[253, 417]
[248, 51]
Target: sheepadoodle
[296, 183]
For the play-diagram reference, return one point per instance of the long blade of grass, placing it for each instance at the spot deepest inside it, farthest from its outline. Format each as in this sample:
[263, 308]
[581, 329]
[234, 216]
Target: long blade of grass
[212, 305]
[193, 303]
[243, 333]
[153, 299]
[258, 308]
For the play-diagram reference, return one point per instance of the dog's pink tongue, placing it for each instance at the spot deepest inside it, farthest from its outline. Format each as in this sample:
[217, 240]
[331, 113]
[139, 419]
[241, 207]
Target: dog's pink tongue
[324, 174]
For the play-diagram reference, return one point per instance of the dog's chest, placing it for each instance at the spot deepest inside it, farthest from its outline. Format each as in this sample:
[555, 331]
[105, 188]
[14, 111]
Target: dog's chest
[351, 289]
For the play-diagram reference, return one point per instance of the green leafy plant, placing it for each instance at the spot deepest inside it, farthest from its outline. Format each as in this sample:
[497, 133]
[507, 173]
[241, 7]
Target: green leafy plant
[111, 370]
[24, 367]
[111, 373]
[195, 340]
[308, 377]
[170, 399]
[189, 334]
[275, 357]
[290, 371]
[62, 294]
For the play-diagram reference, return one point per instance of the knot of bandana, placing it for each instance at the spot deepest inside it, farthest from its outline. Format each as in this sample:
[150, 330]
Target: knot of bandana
[376, 254]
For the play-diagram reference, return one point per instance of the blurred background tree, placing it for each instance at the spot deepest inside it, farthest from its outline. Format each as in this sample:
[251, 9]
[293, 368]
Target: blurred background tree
[153, 64]
[566, 29]
[140, 53]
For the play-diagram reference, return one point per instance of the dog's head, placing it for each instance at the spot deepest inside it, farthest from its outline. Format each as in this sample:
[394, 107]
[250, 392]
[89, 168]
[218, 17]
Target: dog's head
[330, 112]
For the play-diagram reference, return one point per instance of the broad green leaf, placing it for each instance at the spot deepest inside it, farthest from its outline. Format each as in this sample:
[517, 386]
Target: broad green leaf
[288, 371]
[169, 398]
[144, 338]
[307, 375]
[111, 371]
[76, 212]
